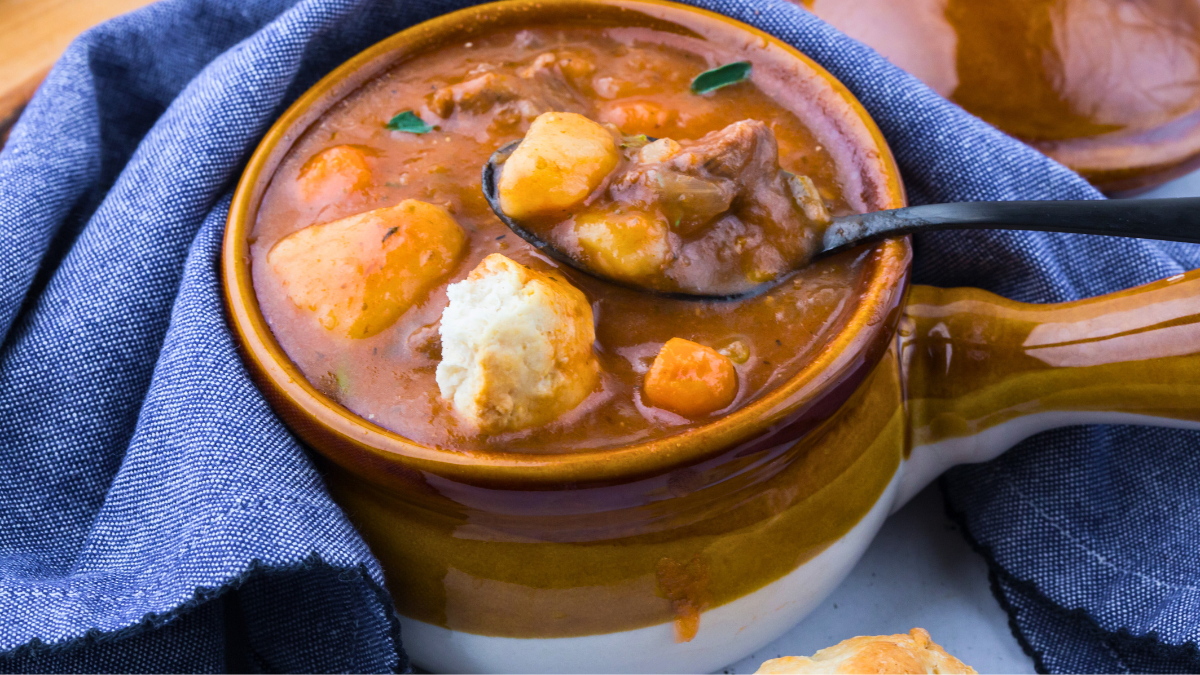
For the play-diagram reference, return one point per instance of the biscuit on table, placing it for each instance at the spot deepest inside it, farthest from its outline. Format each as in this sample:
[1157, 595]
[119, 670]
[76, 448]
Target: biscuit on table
[912, 653]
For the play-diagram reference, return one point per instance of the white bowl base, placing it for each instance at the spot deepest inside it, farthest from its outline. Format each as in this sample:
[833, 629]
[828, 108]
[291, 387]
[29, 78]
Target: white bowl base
[727, 633]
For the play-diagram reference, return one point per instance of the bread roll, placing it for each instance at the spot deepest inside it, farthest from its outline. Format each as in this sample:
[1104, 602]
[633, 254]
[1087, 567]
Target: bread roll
[912, 653]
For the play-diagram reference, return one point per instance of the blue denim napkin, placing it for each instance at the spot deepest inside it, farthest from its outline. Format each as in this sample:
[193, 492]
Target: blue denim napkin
[154, 514]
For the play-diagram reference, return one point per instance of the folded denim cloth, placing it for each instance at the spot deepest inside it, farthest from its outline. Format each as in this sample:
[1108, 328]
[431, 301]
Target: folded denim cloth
[154, 514]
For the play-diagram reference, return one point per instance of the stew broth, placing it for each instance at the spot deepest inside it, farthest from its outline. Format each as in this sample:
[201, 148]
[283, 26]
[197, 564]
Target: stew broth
[636, 79]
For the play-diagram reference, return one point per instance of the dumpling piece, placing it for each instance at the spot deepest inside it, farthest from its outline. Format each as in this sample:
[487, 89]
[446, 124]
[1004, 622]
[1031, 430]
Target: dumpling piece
[912, 653]
[516, 347]
[563, 158]
[360, 273]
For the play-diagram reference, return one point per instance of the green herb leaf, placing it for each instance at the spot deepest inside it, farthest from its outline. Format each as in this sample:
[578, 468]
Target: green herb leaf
[408, 122]
[722, 76]
[635, 141]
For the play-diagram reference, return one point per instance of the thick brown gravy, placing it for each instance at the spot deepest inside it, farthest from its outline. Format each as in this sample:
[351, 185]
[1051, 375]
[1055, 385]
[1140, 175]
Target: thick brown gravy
[637, 79]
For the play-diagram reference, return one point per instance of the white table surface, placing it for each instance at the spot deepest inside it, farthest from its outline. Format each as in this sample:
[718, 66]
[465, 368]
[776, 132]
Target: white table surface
[919, 571]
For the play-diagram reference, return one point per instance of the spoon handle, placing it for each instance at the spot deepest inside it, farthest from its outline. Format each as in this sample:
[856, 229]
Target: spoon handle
[1172, 219]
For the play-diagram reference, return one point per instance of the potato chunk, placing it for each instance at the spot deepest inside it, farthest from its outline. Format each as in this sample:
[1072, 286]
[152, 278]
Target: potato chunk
[622, 244]
[333, 172]
[690, 379]
[516, 347]
[562, 159]
[360, 273]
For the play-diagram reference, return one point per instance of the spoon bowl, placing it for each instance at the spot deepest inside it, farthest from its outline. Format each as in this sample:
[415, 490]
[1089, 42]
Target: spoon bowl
[1165, 219]
[490, 179]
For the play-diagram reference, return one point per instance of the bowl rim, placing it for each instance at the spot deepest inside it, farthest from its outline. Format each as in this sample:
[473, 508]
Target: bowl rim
[368, 449]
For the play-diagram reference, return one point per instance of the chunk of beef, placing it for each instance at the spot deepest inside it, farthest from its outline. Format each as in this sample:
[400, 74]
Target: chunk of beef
[476, 95]
[743, 151]
[571, 65]
[727, 197]
[735, 168]
[544, 85]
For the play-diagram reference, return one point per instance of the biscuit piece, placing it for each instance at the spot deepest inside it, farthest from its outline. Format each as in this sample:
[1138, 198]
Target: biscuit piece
[360, 273]
[516, 346]
[912, 653]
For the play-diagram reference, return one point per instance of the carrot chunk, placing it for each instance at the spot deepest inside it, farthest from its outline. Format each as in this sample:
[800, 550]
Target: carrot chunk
[690, 379]
[638, 116]
[335, 171]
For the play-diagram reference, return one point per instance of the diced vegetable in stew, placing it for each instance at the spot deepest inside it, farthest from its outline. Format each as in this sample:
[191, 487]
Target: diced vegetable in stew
[691, 379]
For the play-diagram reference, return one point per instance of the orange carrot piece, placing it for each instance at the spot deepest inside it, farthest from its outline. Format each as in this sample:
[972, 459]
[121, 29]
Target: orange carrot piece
[341, 169]
[690, 379]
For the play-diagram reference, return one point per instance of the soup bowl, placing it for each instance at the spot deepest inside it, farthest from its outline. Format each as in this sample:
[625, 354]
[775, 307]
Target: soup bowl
[975, 51]
[688, 552]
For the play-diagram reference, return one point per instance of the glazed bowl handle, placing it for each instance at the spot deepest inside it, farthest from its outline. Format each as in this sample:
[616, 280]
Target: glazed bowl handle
[981, 373]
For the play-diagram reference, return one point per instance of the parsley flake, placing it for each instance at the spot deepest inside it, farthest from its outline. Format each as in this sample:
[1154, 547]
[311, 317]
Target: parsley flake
[408, 122]
[721, 76]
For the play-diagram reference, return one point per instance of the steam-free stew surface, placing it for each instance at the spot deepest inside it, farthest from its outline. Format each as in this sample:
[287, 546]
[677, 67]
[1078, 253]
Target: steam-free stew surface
[636, 79]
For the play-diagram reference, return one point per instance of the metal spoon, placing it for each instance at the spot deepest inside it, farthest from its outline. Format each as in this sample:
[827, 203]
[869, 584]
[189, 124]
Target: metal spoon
[1169, 219]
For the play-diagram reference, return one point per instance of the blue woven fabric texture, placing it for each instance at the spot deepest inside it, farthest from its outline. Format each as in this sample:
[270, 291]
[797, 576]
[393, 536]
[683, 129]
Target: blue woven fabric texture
[154, 514]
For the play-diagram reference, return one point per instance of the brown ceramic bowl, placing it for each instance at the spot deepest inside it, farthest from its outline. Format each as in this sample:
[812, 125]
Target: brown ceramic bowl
[358, 445]
[1111, 94]
[589, 561]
